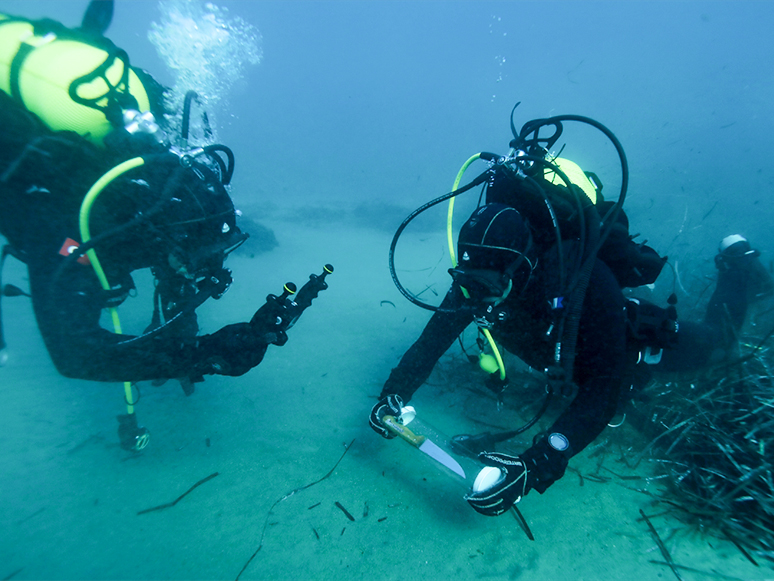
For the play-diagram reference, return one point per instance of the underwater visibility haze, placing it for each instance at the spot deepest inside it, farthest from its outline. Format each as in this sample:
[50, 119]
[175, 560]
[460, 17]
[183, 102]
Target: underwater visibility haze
[343, 118]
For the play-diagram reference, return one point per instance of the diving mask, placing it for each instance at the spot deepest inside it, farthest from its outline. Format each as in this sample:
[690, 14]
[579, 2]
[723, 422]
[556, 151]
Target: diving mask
[486, 286]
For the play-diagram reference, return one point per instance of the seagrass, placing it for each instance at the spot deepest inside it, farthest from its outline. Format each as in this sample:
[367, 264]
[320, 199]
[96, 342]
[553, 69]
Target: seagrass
[713, 436]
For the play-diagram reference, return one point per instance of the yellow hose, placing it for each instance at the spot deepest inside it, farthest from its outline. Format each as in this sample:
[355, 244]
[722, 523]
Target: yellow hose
[85, 213]
[449, 232]
[450, 240]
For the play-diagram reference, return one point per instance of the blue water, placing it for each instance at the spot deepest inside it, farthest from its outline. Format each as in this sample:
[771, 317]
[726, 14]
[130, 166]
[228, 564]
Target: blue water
[344, 116]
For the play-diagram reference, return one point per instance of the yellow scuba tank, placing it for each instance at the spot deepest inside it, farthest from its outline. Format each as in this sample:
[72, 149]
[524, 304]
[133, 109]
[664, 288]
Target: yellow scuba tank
[575, 174]
[71, 81]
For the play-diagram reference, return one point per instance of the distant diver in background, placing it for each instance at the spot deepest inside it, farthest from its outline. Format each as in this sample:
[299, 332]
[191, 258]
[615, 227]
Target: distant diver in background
[91, 190]
[542, 267]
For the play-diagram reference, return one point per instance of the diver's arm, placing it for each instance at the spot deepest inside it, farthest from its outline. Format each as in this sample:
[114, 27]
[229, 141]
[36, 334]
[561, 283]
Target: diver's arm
[68, 313]
[436, 338]
[104, 356]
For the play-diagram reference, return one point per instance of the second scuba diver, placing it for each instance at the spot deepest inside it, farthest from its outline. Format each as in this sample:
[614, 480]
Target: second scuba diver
[542, 264]
[91, 190]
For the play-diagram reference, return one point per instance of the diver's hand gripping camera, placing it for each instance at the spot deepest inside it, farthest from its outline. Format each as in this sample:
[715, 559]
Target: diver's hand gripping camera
[281, 312]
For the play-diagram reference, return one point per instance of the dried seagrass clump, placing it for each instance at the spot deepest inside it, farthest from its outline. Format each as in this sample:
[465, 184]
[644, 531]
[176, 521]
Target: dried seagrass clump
[713, 436]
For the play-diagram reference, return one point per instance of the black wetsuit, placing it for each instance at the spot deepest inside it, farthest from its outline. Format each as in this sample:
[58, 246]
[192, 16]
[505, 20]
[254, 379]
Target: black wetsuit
[606, 353]
[68, 307]
[712, 341]
[44, 177]
[601, 348]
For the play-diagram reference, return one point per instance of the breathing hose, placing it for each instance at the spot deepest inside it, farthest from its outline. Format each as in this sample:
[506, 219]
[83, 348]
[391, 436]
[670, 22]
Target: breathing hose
[85, 213]
[477, 181]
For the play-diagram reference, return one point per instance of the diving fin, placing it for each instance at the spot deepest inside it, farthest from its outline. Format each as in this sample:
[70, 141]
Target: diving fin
[98, 16]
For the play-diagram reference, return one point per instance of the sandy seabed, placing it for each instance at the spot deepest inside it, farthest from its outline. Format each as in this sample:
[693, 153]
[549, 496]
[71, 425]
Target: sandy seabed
[71, 496]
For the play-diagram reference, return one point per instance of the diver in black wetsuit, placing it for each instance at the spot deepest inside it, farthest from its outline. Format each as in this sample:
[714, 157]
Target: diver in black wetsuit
[742, 280]
[509, 283]
[499, 268]
[85, 206]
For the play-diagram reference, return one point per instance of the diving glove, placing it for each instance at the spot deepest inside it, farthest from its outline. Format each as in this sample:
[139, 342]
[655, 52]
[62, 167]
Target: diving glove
[233, 350]
[547, 460]
[506, 491]
[536, 469]
[389, 405]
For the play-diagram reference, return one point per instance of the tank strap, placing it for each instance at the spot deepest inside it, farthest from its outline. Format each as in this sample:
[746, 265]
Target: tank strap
[16, 64]
[46, 31]
[25, 49]
[13, 71]
[118, 95]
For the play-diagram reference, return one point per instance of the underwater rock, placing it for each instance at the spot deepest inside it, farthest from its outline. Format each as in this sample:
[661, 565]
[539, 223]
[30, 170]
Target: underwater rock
[262, 238]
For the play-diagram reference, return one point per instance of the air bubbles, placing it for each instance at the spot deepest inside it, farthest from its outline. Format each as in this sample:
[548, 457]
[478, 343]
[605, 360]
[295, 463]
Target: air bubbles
[206, 49]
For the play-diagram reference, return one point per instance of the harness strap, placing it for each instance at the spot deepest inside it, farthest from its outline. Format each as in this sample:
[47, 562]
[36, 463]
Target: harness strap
[25, 49]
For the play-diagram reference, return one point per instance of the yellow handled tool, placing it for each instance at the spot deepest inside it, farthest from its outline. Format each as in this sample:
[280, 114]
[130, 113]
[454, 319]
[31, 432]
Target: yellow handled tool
[399, 429]
[423, 444]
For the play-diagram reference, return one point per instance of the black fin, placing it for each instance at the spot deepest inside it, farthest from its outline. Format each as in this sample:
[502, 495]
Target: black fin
[98, 16]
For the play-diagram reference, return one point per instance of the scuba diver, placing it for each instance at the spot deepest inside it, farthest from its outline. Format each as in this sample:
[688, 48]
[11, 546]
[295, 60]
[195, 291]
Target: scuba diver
[542, 264]
[91, 190]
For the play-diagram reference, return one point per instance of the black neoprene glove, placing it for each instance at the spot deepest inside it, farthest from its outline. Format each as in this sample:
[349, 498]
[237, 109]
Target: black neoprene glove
[546, 461]
[537, 468]
[389, 405]
[512, 485]
[234, 350]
